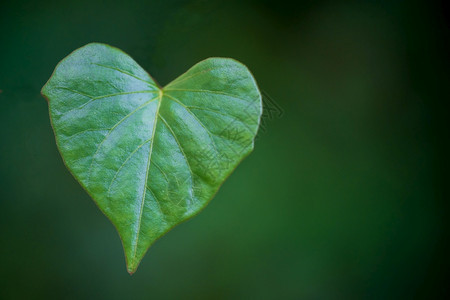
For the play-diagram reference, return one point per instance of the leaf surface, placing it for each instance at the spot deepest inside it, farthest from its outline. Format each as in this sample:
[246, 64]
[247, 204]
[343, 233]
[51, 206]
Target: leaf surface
[150, 157]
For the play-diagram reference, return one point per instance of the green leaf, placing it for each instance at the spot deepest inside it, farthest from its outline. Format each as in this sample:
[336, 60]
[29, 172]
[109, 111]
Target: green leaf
[150, 157]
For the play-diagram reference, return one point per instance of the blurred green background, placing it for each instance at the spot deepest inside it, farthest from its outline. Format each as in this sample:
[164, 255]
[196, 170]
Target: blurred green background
[343, 198]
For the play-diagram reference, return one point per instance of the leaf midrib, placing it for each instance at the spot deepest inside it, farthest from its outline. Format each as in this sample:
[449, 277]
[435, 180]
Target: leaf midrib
[136, 240]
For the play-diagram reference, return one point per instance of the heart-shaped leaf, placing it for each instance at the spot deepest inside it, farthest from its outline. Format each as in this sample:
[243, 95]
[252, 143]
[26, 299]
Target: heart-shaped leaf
[150, 157]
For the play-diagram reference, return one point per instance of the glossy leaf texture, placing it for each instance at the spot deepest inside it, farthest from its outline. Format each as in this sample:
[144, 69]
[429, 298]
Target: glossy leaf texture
[150, 157]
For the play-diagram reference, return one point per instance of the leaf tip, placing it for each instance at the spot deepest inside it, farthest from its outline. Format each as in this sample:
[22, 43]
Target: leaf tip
[132, 267]
[130, 271]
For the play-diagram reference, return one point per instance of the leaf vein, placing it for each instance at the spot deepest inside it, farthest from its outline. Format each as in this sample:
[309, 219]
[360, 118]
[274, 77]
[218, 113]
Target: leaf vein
[158, 202]
[87, 130]
[110, 131]
[123, 164]
[107, 96]
[209, 92]
[126, 73]
[183, 153]
[210, 134]
[74, 91]
[191, 107]
[161, 170]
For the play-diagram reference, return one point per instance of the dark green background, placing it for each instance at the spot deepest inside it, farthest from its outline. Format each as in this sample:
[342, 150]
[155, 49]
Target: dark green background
[343, 197]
